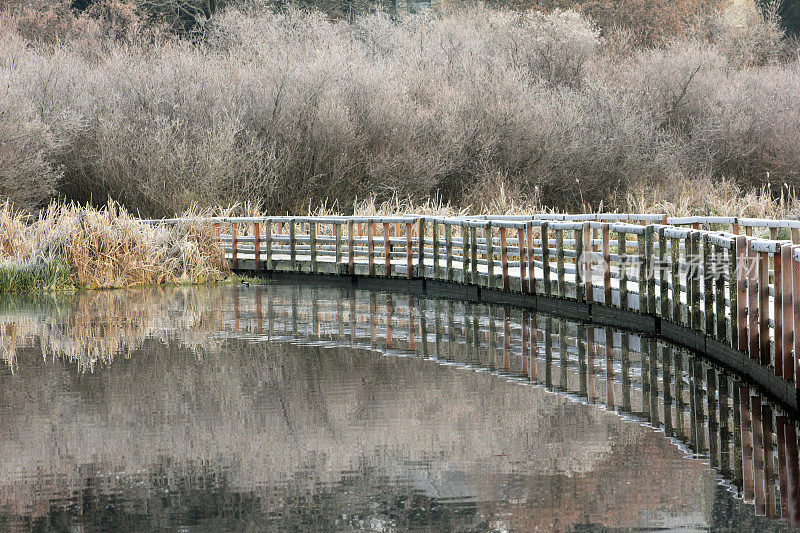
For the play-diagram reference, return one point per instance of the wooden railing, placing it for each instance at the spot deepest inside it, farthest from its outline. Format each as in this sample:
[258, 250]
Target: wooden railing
[696, 273]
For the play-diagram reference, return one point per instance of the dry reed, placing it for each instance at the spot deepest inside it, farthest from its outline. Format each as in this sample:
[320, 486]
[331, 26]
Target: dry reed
[107, 247]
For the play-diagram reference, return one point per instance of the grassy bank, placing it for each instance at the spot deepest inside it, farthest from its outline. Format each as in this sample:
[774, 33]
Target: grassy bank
[291, 109]
[71, 247]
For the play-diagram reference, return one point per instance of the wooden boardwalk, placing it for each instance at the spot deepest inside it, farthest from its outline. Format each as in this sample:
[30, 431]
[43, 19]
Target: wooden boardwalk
[697, 281]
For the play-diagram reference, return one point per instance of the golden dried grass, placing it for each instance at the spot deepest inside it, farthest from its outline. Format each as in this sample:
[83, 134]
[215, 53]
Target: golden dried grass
[108, 247]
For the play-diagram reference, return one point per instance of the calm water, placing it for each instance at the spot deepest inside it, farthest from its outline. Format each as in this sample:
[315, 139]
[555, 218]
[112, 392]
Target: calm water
[300, 408]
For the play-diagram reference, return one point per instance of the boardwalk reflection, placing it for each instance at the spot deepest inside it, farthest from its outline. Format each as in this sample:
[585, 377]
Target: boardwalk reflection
[208, 385]
[704, 409]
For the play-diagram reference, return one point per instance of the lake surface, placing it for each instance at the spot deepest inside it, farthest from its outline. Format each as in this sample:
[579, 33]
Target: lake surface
[288, 407]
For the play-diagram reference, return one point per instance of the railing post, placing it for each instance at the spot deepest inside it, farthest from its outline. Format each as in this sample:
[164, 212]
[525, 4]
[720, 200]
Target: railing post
[351, 248]
[708, 287]
[606, 251]
[448, 251]
[292, 245]
[578, 236]
[588, 252]
[235, 247]
[739, 295]
[268, 242]
[796, 313]
[719, 292]
[487, 233]
[675, 265]
[763, 308]
[409, 251]
[752, 302]
[257, 245]
[421, 247]
[531, 259]
[473, 236]
[777, 309]
[337, 235]
[560, 269]
[523, 282]
[371, 246]
[435, 236]
[504, 257]
[545, 234]
[663, 275]
[465, 271]
[312, 239]
[646, 269]
[786, 311]
[387, 250]
[622, 260]
[693, 268]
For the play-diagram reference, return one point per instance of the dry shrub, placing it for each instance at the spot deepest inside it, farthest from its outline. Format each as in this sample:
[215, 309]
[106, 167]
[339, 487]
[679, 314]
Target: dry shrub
[108, 247]
[648, 22]
[28, 176]
[291, 109]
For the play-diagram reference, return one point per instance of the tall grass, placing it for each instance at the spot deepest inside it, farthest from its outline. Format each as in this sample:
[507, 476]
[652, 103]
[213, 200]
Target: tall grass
[70, 246]
[292, 109]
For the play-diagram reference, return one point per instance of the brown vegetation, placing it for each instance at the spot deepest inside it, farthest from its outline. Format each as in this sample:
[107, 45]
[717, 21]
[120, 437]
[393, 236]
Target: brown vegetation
[292, 109]
[70, 246]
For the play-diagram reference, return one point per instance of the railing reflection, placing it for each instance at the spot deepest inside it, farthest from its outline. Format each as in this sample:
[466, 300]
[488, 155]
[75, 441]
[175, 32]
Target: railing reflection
[704, 409]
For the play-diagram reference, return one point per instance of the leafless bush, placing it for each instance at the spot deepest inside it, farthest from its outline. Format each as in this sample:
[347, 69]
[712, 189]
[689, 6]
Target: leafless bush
[290, 108]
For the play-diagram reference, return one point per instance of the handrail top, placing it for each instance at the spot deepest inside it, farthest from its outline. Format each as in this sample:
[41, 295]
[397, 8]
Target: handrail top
[711, 219]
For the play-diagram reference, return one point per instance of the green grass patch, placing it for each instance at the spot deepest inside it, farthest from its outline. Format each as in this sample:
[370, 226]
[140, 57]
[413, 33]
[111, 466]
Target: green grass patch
[35, 276]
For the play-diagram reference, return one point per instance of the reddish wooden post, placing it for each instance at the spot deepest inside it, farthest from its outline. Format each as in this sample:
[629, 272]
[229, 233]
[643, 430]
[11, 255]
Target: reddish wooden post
[235, 247]
[586, 263]
[787, 322]
[763, 308]
[504, 257]
[521, 241]
[371, 247]
[735, 226]
[387, 250]
[409, 252]
[257, 244]
[742, 275]
[796, 312]
[777, 309]
[351, 248]
[531, 259]
[752, 302]
[606, 265]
